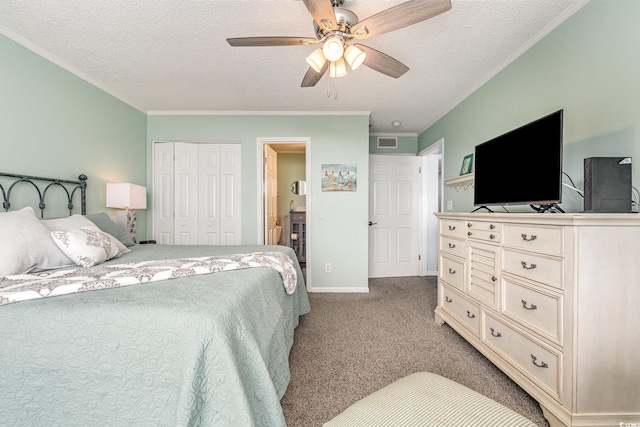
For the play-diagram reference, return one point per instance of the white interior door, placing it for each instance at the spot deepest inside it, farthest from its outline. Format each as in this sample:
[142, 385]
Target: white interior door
[208, 194]
[186, 193]
[271, 194]
[393, 216]
[163, 197]
[230, 191]
[197, 193]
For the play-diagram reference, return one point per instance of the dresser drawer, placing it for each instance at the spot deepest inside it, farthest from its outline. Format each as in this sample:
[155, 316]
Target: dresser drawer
[298, 216]
[452, 228]
[452, 246]
[538, 361]
[452, 271]
[533, 308]
[462, 308]
[541, 268]
[484, 226]
[545, 240]
[484, 235]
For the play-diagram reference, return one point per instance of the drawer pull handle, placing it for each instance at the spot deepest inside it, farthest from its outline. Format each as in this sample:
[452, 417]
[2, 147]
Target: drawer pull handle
[470, 315]
[530, 307]
[452, 227]
[495, 334]
[447, 299]
[492, 227]
[469, 225]
[451, 245]
[469, 233]
[530, 267]
[528, 239]
[494, 278]
[491, 236]
[452, 271]
[534, 360]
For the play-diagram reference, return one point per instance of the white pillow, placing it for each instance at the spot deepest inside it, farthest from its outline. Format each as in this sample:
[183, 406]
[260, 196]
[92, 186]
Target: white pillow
[88, 246]
[26, 245]
[67, 223]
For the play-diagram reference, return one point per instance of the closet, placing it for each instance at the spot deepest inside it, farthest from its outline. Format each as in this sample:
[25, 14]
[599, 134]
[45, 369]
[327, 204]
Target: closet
[196, 193]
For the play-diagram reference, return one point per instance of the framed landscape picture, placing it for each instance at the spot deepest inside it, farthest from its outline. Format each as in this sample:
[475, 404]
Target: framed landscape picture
[467, 162]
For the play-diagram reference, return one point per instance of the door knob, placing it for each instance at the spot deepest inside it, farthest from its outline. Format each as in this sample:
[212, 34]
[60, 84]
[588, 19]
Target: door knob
[372, 223]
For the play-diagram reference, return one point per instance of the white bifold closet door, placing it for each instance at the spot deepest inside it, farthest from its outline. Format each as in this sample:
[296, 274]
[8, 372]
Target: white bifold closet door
[196, 193]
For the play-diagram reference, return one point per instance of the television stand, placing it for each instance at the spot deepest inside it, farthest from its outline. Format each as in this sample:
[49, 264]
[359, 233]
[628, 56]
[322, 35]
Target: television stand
[482, 207]
[552, 207]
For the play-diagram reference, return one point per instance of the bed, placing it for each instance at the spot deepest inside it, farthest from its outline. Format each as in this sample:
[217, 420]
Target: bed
[204, 349]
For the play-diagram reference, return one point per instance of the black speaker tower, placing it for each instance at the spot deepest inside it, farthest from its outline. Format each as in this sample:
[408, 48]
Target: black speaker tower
[607, 184]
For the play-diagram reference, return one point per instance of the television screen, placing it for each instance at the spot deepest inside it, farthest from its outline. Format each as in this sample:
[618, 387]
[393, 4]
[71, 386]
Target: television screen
[523, 166]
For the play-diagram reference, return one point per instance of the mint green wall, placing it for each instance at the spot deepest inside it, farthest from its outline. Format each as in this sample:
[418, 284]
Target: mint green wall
[57, 125]
[338, 220]
[291, 167]
[406, 145]
[588, 66]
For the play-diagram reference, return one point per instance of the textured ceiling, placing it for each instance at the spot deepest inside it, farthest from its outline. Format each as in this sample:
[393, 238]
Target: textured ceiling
[172, 55]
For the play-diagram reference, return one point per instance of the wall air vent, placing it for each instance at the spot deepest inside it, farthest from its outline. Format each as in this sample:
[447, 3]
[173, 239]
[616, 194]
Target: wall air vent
[387, 142]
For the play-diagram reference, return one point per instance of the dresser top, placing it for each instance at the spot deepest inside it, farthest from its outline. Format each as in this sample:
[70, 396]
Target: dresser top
[575, 219]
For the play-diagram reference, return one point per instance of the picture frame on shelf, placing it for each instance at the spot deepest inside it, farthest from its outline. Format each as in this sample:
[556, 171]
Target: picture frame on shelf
[467, 164]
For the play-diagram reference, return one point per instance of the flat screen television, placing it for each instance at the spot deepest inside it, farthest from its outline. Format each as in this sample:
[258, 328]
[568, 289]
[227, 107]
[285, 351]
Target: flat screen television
[521, 167]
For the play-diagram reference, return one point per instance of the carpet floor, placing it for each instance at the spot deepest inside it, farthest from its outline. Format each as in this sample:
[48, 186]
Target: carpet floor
[351, 345]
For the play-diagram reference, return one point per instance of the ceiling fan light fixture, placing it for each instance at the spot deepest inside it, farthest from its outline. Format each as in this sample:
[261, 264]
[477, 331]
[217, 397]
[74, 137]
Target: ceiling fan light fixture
[333, 48]
[337, 68]
[354, 56]
[316, 60]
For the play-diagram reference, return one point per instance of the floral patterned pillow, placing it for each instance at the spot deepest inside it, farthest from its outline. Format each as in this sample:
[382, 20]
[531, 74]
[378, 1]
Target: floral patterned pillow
[88, 246]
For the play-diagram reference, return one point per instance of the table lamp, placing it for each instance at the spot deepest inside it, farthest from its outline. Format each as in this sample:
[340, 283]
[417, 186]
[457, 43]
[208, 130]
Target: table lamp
[128, 197]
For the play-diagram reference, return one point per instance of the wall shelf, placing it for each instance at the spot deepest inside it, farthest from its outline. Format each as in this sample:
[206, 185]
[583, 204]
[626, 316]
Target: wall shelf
[461, 182]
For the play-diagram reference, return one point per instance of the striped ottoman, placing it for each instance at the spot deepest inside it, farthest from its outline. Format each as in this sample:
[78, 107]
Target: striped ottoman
[425, 399]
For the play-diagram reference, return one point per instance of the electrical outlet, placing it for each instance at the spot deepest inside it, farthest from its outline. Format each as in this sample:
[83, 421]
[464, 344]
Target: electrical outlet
[327, 268]
[449, 205]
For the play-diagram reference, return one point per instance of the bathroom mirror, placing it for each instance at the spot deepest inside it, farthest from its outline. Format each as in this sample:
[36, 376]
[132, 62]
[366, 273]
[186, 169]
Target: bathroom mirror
[299, 187]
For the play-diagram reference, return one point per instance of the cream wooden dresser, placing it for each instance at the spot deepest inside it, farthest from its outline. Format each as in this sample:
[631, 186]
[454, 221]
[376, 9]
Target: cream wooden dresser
[553, 300]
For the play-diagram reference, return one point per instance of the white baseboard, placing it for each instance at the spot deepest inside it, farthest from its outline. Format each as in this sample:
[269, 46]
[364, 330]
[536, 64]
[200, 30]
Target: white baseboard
[338, 290]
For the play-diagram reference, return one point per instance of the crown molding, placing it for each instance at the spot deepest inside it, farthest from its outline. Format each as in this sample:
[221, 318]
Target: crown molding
[254, 113]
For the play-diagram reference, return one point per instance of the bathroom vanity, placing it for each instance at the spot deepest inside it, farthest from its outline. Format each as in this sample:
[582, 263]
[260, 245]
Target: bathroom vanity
[298, 222]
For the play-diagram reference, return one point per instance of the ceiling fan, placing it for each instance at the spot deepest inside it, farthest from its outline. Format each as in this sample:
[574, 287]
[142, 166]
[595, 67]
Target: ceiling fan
[336, 28]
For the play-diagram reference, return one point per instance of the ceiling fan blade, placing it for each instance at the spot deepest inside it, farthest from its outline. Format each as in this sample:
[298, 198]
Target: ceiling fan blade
[271, 41]
[382, 63]
[323, 14]
[311, 78]
[400, 16]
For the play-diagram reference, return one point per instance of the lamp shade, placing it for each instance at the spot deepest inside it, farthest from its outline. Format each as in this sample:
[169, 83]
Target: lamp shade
[354, 56]
[338, 68]
[126, 196]
[333, 48]
[316, 60]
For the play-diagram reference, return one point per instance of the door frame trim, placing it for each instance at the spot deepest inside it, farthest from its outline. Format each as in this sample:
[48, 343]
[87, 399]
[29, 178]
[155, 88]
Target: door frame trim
[260, 143]
[435, 148]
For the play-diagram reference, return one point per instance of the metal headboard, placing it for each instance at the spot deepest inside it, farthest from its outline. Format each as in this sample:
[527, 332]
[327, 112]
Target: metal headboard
[70, 188]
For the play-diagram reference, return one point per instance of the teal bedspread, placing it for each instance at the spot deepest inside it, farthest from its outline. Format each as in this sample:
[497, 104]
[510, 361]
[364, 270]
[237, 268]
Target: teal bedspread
[209, 350]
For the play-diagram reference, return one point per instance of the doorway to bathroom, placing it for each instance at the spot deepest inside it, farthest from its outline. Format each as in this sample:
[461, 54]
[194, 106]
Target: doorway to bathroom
[284, 199]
